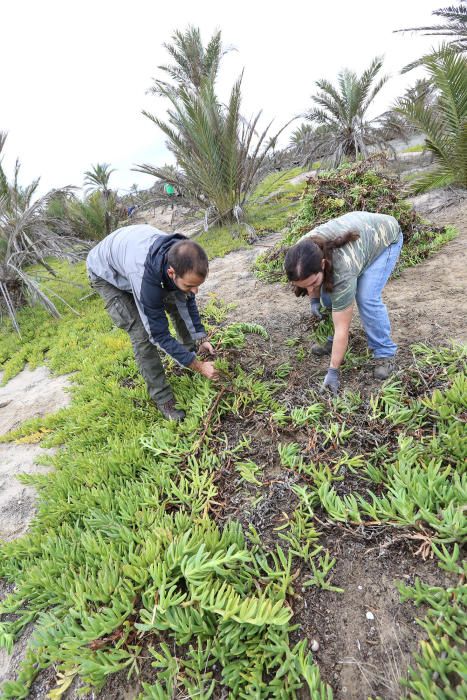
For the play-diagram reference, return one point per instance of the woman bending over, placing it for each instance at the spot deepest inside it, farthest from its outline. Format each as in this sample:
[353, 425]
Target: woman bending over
[349, 259]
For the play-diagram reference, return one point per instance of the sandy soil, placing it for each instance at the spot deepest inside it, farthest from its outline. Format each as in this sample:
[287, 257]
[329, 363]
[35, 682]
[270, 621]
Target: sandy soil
[29, 394]
[427, 303]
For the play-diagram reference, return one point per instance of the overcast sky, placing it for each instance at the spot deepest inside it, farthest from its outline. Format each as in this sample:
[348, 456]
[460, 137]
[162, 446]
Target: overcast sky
[75, 74]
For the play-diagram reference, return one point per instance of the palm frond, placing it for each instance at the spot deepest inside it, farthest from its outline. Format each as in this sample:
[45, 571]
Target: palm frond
[445, 122]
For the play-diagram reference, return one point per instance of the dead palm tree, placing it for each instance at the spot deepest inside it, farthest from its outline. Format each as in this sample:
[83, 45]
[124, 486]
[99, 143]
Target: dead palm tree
[97, 180]
[341, 112]
[454, 26]
[444, 123]
[28, 236]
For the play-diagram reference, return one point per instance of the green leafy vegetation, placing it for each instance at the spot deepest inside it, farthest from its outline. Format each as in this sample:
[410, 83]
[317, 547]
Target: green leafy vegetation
[356, 187]
[129, 559]
[270, 207]
[132, 551]
[452, 23]
[445, 122]
[86, 217]
[418, 148]
[345, 132]
[219, 154]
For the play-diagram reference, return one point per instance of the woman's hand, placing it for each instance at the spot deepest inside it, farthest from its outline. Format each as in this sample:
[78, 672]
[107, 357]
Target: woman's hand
[331, 381]
[316, 308]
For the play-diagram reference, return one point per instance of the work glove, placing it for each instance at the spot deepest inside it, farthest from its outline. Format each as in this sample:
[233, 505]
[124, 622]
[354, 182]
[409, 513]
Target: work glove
[331, 381]
[315, 308]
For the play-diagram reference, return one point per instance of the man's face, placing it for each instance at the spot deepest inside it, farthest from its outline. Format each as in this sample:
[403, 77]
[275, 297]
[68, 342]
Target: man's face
[311, 283]
[190, 282]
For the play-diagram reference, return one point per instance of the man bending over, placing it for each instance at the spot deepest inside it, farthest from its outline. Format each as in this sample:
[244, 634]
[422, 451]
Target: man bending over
[143, 274]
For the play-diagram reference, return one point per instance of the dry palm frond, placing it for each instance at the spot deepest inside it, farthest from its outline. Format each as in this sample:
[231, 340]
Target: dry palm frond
[28, 236]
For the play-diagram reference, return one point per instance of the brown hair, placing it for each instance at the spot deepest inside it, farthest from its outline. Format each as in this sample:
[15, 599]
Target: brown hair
[188, 256]
[304, 258]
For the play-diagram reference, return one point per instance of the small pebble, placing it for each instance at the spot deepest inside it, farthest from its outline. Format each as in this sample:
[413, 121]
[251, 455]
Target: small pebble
[20, 502]
[360, 588]
[314, 645]
[370, 616]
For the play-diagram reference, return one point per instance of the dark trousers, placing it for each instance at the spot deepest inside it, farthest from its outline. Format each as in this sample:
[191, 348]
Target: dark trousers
[122, 310]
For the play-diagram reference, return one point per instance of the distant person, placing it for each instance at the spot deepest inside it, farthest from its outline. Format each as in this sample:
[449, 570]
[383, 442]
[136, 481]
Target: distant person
[131, 210]
[143, 274]
[169, 190]
[349, 259]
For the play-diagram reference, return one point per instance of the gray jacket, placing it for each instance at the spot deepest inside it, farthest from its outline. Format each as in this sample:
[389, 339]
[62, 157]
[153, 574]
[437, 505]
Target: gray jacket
[134, 259]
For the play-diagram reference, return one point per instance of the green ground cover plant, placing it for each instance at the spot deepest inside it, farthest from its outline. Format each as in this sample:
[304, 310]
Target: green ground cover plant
[418, 148]
[361, 186]
[129, 567]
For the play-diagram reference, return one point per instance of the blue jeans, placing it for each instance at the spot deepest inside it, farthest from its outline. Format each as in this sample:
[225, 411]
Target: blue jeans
[373, 312]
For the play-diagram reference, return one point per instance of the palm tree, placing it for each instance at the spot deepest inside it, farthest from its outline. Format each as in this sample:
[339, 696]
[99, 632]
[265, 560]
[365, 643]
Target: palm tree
[341, 111]
[445, 122]
[97, 180]
[218, 153]
[83, 217]
[193, 63]
[393, 124]
[455, 25]
[28, 236]
[308, 143]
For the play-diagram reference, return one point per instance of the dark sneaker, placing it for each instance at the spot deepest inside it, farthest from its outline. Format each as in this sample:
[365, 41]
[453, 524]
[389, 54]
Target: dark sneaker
[169, 411]
[322, 350]
[385, 366]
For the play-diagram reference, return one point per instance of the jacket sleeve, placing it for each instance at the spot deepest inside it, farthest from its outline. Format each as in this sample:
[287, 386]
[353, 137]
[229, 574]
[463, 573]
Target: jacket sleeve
[195, 317]
[150, 305]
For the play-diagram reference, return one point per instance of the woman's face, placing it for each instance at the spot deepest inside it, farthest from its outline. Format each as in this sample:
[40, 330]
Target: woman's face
[311, 283]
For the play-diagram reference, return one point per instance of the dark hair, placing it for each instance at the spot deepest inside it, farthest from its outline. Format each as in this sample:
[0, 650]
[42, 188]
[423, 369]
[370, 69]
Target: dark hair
[304, 258]
[188, 256]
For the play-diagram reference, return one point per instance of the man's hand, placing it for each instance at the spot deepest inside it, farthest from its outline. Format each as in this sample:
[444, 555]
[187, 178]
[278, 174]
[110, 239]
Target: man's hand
[207, 369]
[206, 347]
[331, 381]
[315, 308]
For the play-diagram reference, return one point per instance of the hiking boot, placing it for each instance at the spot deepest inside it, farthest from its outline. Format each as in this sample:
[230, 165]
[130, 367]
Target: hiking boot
[385, 366]
[169, 411]
[322, 350]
